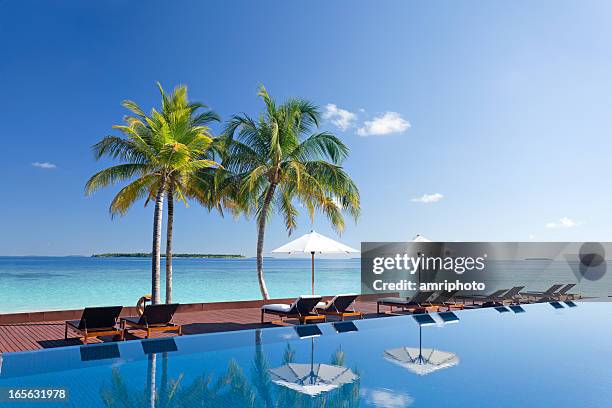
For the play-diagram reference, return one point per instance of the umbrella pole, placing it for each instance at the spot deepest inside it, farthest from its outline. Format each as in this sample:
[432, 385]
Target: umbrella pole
[312, 263]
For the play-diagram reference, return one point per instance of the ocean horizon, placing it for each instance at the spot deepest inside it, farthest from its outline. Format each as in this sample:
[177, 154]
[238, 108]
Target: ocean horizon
[42, 283]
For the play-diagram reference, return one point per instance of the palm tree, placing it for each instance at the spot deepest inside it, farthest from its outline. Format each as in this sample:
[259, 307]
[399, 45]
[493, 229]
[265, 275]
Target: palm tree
[184, 183]
[160, 152]
[279, 161]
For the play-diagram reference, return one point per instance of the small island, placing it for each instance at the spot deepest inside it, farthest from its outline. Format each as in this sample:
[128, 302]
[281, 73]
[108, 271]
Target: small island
[148, 255]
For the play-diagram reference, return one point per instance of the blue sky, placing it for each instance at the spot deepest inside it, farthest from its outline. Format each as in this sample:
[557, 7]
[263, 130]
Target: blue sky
[508, 104]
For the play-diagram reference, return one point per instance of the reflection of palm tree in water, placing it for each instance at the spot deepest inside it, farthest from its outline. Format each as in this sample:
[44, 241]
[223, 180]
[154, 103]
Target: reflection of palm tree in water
[119, 395]
[231, 389]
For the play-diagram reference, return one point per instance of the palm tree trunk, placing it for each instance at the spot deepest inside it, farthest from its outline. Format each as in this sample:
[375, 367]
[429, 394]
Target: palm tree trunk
[169, 245]
[156, 252]
[261, 229]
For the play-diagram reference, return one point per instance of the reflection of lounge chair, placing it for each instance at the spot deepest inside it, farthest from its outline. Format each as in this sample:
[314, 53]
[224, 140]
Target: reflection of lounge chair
[339, 306]
[417, 303]
[548, 294]
[303, 309]
[154, 318]
[96, 321]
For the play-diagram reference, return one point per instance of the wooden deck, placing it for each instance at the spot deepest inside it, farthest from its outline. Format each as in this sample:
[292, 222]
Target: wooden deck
[32, 334]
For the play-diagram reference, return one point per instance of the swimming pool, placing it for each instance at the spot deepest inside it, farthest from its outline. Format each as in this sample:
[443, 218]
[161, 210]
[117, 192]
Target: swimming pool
[544, 355]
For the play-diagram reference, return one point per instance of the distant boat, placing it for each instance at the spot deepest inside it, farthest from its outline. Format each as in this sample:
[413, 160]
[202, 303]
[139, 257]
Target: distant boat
[539, 259]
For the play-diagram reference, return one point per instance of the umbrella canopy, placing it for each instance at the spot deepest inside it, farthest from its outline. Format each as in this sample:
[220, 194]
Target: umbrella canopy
[312, 243]
[312, 379]
[421, 361]
[420, 238]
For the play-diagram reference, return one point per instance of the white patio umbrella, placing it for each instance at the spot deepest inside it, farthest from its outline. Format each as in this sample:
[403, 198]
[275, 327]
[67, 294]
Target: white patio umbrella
[312, 243]
[420, 238]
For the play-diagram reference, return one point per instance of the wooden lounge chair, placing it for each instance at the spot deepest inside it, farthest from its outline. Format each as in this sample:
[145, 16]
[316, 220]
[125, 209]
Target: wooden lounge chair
[303, 309]
[512, 297]
[154, 318]
[96, 321]
[562, 294]
[542, 296]
[482, 298]
[444, 299]
[415, 304]
[339, 306]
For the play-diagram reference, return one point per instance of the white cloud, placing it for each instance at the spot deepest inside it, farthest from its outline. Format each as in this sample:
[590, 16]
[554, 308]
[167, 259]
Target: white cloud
[428, 198]
[339, 117]
[388, 122]
[563, 223]
[385, 398]
[44, 165]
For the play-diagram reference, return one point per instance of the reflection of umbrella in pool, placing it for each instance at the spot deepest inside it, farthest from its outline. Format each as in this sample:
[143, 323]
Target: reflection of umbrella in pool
[421, 361]
[312, 243]
[314, 378]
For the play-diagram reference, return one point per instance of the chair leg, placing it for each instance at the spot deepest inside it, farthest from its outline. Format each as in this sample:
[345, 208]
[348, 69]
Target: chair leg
[66, 332]
[262, 316]
[85, 339]
[148, 333]
[180, 330]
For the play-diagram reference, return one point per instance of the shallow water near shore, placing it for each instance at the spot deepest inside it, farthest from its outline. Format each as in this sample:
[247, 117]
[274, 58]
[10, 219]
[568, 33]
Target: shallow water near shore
[57, 283]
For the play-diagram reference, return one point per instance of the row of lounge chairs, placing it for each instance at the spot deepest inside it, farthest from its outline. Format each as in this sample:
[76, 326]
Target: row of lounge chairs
[424, 301]
[310, 308]
[105, 321]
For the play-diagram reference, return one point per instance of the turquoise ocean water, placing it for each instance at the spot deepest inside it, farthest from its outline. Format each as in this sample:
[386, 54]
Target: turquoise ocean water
[58, 283]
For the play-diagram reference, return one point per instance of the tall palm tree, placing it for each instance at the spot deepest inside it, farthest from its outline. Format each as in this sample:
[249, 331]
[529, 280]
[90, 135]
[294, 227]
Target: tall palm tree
[280, 161]
[159, 151]
[185, 183]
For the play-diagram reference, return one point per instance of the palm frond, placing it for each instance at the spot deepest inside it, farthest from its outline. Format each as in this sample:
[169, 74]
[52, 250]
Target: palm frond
[114, 174]
[131, 193]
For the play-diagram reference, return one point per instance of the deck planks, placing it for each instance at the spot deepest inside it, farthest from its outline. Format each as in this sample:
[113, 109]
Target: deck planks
[49, 334]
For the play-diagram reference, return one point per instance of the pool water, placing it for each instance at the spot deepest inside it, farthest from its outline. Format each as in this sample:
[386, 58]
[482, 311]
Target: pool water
[541, 355]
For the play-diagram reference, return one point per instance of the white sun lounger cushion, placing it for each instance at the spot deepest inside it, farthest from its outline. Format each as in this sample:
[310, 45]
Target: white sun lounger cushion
[277, 307]
[281, 307]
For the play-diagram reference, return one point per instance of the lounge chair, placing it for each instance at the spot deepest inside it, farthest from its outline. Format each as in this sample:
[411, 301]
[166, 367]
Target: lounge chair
[512, 296]
[96, 321]
[548, 294]
[444, 299]
[339, 306]
[303, 309]
[563, 295]
[154, 318]
[415, 304]
[482, 298]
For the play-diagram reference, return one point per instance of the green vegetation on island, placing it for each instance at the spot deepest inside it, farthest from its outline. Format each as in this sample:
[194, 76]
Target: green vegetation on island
[148, 255]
